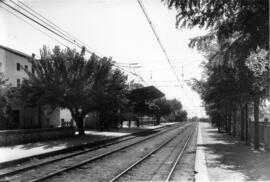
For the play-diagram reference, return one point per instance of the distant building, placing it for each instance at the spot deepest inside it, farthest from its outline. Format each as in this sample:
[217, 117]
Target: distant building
[11, 64]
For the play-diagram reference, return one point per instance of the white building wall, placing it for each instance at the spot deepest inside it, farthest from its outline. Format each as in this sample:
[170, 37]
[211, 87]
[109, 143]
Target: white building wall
[2, 60]
[11, 71]
[29, 117]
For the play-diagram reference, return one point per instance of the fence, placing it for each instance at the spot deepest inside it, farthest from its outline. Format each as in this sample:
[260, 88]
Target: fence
[67, 124]
[14, 137]
[264, 133]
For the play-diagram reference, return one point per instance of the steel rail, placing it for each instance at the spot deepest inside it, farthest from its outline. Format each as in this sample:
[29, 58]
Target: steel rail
[145, 157]
[95, 157]
[61, 158]
[119, 140]
[178, 158]
[10, 173]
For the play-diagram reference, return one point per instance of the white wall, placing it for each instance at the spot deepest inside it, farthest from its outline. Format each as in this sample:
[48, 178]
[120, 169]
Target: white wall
[28, 116]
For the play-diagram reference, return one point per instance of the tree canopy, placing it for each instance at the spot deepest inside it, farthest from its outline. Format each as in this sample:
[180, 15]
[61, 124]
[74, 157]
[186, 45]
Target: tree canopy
[236, 47]
[64, 78]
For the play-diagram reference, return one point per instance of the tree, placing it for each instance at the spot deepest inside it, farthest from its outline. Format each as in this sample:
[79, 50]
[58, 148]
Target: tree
[238, 28]
[258, 62]
[182, 116]
[177, 110]
[164, 108]
[175, 105]
[111, 97]
[64, 78]
[6, 116]
[247, 20]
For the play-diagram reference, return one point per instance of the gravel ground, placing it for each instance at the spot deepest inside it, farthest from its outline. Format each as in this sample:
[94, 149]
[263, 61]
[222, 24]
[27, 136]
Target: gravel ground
[106, 168]
[35, 161]
[43, 171]
[229, 159]
[184, 171]
[158, 166]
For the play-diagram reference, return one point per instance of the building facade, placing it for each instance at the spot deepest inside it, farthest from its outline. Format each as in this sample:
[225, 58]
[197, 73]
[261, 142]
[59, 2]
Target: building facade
[12, 65]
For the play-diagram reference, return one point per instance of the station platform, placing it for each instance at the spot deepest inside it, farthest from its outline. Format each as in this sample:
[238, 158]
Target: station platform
[12, 154]
[222, 157]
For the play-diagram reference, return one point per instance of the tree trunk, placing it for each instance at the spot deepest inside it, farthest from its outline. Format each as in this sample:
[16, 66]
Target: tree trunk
[256, 123]
[234, 123]
[39, 117]
[158, 120]
[219, 123]
[78, 118]
[246, 120]
[242, 123]
[230, 123]
[224, 120]
[227, 123]
[80, 127]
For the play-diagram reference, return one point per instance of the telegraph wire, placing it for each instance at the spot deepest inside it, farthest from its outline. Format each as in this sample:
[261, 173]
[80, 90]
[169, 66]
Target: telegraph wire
[40, 19]
[49, 29]
[54, 32]
[52, 24]
[158, 39]
[135, 74]
[161, 45]
[34, 26]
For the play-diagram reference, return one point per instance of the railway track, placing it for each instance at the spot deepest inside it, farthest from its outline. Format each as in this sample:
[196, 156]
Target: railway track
[147, 170]
[56, 166]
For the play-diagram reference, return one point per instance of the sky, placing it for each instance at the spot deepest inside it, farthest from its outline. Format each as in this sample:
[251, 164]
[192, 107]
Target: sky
[117, 29]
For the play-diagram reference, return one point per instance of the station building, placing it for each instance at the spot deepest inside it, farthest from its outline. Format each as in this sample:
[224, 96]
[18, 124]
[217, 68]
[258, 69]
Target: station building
[12, 63]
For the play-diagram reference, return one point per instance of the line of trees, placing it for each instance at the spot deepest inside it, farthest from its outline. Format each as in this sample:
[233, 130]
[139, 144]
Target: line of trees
[66, 79]
[237, 51]
[171, 110]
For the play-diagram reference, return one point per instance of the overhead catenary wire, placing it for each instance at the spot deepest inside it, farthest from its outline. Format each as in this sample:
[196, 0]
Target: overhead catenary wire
[162, 47]
[56, 31]
[34, 26]
[135, 74]
[53, 24]
[47, 28]
[158, 39]
[68, 38]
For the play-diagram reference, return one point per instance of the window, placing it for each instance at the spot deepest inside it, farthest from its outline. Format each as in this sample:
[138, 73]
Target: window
[26, 67]
[18, 82]
[18, 67]
[33, 69]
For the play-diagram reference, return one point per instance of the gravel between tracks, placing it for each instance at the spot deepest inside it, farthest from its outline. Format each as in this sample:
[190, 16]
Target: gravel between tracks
[106, 168]
[35, 173]
[184, 170]
[158, 166]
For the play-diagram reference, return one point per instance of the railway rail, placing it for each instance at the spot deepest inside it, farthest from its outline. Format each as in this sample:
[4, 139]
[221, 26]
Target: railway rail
[74, 160]
[129, 175]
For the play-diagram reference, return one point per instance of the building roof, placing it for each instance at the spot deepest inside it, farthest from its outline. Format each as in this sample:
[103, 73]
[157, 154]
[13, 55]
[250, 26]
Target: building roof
[15, 52]
[145, 93]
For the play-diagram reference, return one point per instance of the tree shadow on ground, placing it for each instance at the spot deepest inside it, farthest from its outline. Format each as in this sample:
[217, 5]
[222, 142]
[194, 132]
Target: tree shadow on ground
[64, 142]
[229, 153]
[81, 140]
